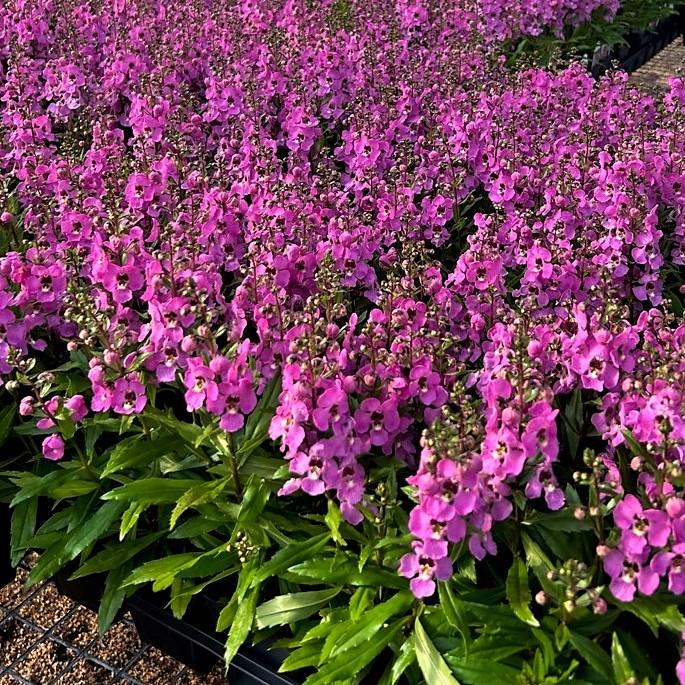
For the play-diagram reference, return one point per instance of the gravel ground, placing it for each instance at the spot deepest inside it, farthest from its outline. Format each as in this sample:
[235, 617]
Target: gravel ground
[46, 639]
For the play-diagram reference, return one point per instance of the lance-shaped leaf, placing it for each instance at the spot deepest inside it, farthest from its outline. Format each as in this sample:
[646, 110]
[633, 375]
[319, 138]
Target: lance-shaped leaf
[435, 670]
[518, 592]
[293, 607]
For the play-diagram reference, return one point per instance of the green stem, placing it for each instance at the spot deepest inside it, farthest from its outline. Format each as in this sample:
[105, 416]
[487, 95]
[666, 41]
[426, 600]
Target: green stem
[234, 465]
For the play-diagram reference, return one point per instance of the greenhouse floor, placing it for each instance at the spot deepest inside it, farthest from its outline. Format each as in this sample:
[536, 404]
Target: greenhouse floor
[46, 639]
[669, 62]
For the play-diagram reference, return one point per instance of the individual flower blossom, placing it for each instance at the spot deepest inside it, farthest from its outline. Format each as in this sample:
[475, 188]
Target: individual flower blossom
[627, 574]
[78, 409]
[128, 396]
[671, 564]
[640, 527]
[53, 447]
[50, 408]
[27, 406]
[331, 407]
[380, 420]
[424, 570]
[200, 383]
[427, 385]
[239, 400]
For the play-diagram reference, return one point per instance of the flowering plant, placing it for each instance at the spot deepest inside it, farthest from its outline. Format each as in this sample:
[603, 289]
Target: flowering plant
[323, 306]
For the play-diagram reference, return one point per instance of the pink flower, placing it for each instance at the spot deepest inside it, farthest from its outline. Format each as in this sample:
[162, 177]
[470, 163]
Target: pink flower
[200, 384]
[240, 400]
[330, 408]
[626, 574]
[26, 406]
[640, 526]
[380, 420]
[673, 564]
[424, 570]
[53, 447]
[128, 396]
[78, 409]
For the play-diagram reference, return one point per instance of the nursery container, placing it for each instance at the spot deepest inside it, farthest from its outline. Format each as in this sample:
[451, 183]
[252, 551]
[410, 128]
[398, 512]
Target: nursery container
[85, 591]
[193, 641]
[6, 570]
[641, 47]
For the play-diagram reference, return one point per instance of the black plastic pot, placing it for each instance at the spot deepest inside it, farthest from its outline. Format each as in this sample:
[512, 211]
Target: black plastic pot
[641, 47]
[6, 570]
[85, 591]
[193, 642]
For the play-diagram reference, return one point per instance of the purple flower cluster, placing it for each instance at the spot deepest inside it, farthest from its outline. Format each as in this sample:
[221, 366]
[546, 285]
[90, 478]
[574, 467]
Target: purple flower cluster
[212, 194]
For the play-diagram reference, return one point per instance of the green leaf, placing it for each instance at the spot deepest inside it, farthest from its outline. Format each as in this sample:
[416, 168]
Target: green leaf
[453, 609]
[351, 664]
[306, 656]
[352, 634]
[262, 466]
[161, 572]
[22, 527]
[83, 535]
[254, 500]
[130, 518]
[655, 612]
[476, 671]
[623, 671]
[111, 557]
[361, 599]
[343, 571]
[194, 527]
[31, 485]
[435, 670]
[518, 592]
[556, 521]
[293, 607]
[241, 625]
[634, 446]
[541, 565]
[406, 657]
[92, 529]
[333, 520]
[289, 556]
[198, 494]
[227, 614]
[188, 432]
[137, 450]
[491, 647]
[591, 652]
[113, 597]
[72, 488]
[151, 491]
[6, 420]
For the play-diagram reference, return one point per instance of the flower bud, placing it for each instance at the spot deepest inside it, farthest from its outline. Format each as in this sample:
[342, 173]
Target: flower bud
[602, 551]
[26, 406]
[599, 606]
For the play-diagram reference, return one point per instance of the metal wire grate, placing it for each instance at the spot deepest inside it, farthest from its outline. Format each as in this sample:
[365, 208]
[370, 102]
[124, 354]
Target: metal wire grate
[46, 639]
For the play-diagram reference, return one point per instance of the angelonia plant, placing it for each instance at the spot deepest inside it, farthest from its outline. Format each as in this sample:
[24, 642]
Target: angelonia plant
[331, 311]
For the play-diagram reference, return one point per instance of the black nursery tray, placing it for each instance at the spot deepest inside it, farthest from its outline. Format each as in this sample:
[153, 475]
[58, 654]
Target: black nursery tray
[191, 640]
[6, 570]
[641, 47]
[199, 647]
